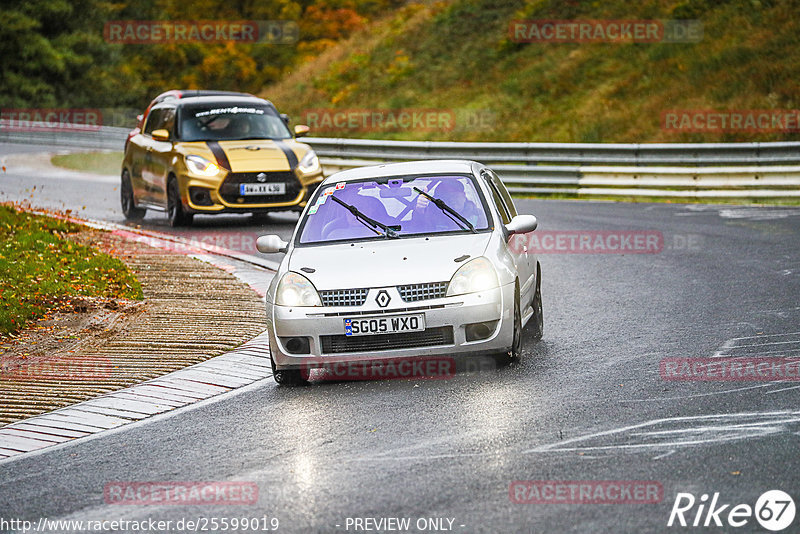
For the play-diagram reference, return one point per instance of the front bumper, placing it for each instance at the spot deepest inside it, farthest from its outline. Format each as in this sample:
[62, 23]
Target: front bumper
[213, 195]
[321, 325]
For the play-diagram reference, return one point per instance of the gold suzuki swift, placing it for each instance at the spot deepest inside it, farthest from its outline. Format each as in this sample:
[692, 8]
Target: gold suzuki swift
[216, 154]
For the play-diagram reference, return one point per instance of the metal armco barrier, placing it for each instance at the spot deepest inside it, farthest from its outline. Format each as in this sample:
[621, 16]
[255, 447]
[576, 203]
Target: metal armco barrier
[757, 170]
[702, 170]
[66, 135]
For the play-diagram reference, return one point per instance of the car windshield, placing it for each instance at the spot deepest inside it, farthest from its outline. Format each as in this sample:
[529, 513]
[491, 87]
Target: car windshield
[397, 206]
[223, 122]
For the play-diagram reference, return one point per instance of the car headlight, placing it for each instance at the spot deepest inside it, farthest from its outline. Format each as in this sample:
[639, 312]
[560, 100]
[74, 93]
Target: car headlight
[475, 275]
[200, 165]
[309, 164]
[296, 290]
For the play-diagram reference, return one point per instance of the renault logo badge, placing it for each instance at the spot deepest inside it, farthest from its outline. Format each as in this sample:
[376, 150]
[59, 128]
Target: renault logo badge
[383, 298]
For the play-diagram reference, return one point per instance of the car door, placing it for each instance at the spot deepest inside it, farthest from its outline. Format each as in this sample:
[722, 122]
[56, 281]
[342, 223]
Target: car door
[148, 177]
[161, 154]
[136, 155]
[517, 244]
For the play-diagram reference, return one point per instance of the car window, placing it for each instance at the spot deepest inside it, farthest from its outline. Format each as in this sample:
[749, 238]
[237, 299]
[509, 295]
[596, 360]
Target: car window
[154, 119]
[168, 120]
[505, 215]
[395, 202]
[225, 122]
[504, 194]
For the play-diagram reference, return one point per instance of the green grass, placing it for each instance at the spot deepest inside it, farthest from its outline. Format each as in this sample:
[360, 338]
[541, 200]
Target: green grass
[40, 269]
[108, 163]
[457, 55]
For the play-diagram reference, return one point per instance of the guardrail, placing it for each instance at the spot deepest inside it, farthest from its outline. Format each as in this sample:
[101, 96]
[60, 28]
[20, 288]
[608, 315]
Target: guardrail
[710, 170]
[757, 170]
[67, 135]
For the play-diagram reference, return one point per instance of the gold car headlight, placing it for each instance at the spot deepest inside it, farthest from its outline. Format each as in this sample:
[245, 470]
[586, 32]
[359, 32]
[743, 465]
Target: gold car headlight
[296, 290]
[309, 164]
[475, 275]
[201, 166]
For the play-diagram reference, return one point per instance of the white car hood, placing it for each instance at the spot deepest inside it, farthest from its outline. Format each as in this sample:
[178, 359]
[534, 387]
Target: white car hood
[388, 262]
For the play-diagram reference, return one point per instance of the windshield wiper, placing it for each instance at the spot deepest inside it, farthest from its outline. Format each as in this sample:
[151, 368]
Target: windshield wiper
[442, 205]
[367, 221]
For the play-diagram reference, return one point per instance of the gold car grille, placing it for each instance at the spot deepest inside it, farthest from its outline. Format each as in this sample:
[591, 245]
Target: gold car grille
[229, 190]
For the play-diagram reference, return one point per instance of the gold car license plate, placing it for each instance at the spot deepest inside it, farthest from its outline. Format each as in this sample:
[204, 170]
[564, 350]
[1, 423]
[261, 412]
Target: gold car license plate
[277, 188]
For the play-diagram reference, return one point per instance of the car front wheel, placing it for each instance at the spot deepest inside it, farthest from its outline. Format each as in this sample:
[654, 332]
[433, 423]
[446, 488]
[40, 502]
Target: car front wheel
[177, 215]
[512, 355]
[537, 321]
[290, 377]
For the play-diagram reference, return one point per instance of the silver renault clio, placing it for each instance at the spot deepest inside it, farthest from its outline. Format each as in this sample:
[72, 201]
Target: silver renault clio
[403, 260]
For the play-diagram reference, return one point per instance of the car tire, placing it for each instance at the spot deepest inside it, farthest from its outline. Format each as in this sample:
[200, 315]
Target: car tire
[289, 377]
[129, 209]
[175, 211]
[536, 322]
[512, 355]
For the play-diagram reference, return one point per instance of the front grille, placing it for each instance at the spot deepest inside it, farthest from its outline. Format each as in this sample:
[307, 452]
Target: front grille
[352, 313]
[432, 336]
[229, 190]
[344, 297]
[415, 292]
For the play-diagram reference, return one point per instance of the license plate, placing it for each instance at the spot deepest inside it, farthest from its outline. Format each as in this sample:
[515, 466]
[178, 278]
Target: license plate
[368, 326]
[277, 188]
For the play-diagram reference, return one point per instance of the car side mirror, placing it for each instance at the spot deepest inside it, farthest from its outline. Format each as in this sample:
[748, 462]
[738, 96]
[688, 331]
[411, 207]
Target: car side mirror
[160, 135]
[522, 224]
[270, 244]
[300, 130]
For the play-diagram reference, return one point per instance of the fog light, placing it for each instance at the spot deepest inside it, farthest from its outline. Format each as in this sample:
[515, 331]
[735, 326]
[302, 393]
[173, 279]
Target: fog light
[200, 196]
[296, 345]
[478, 331]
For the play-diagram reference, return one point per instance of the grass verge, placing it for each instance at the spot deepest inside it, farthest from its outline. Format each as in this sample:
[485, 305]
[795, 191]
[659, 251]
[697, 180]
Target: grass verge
[41, 269]
[108, 163]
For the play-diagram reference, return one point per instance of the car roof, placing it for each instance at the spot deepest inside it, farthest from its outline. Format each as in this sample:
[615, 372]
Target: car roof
[438, 166]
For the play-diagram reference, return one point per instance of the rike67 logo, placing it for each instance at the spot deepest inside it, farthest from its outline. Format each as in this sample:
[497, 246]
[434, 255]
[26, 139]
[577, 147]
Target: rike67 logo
[774, 510]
